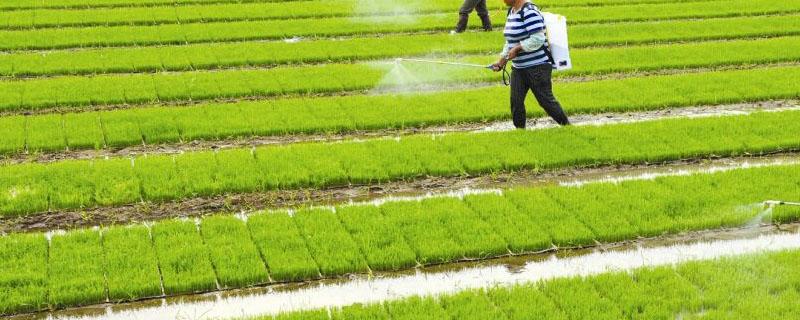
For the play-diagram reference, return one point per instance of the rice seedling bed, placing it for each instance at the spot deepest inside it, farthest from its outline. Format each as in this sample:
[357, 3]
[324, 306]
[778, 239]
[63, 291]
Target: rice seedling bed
[65, 4]
[389, 236]
[755, 286]
[265, 54]
[78, 92]
[230, 12]
[291, 116]
[580, 35]
[35, 188]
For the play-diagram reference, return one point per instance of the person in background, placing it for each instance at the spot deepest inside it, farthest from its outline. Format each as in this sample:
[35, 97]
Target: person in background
[466, 9]
[531, 63]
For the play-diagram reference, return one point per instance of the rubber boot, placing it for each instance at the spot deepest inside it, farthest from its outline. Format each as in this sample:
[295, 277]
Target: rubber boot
[487, 23]
[462, 23]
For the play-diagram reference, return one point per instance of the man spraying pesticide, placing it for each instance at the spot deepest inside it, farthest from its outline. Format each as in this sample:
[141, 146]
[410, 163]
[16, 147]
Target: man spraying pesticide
[532, 62]
[536, 44]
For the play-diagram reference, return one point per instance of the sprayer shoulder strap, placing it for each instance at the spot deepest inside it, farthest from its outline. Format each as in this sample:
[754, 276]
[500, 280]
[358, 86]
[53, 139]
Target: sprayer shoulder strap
[547, 40]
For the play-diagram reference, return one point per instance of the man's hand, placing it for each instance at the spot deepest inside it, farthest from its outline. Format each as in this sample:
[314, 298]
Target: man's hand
[499, 65]
[514, 52]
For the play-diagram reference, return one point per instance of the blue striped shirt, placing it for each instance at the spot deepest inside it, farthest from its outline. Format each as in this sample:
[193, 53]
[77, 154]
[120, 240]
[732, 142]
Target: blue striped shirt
[521, 27]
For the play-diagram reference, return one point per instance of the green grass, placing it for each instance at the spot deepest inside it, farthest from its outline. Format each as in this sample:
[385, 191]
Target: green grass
[130, 263]
[23, 273]
[183, 258]
[756, 286]
[353, 113]
[393, 236]
[235, 257]
[76, 270]
[29, 188]
[282, 246]
[580, 35]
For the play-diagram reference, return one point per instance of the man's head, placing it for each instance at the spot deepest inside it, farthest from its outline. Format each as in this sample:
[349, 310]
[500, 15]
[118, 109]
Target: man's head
[511, 2]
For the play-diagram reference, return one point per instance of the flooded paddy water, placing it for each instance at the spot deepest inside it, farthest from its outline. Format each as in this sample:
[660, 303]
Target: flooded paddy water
[449, 278]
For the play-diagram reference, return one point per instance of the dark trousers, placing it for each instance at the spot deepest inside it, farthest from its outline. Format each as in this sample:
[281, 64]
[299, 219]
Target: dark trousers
[477, 5]
[539, 80]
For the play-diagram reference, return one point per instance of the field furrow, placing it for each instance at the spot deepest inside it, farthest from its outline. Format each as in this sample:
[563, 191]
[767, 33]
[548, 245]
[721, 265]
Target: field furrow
[347, 240]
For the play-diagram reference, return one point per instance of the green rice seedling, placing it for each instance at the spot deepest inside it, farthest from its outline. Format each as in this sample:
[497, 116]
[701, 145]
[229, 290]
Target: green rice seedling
[83, 131]
[428, 234]
[477, 238]
[517, 229]
[13, 131]
[159, 178]
[524, 302]
[23, 189]
[280, 169]
[329, 242]
[23, 273]
[231, 177]
[236, 259]
[471, 305]
[579, 292]
[183, 258]
[320, 165]
[642, 205]
[115, 182]
[582, 203]
[584, 35]
[785, 214]
[44, 133]
[208, 56]
[585, 97]
[383, 245]
[361, 312]
[416, 307]
[155, 131]
[757, 286]
[131, 264]
[564, 229]
[670, 293]
[301, 315]
[198, 173]
[121, 130]
[76, 270]
[282, 246]
[79, 173]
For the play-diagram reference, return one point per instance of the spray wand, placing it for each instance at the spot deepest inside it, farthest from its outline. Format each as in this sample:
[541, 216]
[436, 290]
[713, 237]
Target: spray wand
[471, 65]
[775, 203]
